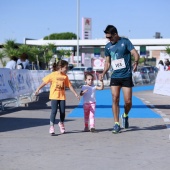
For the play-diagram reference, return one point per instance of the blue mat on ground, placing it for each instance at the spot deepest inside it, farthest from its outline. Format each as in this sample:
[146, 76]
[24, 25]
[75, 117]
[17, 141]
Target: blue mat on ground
[104, 105]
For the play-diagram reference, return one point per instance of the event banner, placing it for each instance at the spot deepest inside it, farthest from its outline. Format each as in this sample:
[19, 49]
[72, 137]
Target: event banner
[16, 83]
[162, 83]
[6, 88]
[36, 79]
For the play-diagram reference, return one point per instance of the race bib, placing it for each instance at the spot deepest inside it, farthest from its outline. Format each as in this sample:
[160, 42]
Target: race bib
[118, 64]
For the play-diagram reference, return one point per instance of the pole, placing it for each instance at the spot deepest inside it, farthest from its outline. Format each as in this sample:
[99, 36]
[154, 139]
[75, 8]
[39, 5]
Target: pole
[78, 8]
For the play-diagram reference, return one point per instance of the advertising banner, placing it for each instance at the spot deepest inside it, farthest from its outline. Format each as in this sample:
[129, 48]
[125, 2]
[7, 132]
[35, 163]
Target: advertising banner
[15, 83]
[7, 90]
[162, 83]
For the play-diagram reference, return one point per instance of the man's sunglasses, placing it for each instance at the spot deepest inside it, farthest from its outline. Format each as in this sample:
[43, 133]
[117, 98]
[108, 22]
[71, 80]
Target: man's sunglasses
[109, 37]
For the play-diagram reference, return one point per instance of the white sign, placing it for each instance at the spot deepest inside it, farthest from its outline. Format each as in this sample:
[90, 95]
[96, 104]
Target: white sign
[162, 83]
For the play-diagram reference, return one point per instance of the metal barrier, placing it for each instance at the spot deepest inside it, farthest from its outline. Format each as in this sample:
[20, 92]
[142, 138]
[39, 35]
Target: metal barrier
[137, 77]
[143, 78]
[78, 81]
[18, 85]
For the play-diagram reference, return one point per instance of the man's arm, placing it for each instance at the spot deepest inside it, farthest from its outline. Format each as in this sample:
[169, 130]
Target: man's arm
[106, 67]
[136, 56]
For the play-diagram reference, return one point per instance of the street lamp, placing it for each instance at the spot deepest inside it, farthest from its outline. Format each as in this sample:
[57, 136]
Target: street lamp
[78, 8]
[48, 32]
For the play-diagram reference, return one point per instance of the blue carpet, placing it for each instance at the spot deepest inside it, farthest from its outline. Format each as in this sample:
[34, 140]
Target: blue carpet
[104, 105]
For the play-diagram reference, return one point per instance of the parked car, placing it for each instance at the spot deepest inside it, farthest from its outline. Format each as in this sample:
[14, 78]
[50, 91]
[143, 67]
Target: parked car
[77, 73]
[82, 69]
[70, 66]
[148, 73]
[148, 69]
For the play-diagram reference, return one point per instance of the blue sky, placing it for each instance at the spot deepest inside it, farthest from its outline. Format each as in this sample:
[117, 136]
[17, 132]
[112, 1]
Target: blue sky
[135, 19]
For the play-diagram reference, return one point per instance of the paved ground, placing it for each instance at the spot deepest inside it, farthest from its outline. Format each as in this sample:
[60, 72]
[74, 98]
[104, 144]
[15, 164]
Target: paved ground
[25, 143]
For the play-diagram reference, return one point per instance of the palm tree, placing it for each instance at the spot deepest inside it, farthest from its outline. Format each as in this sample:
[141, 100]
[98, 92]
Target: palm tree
[9, 44]
[1, 58]
[10, 48]
[24, 49]
[168, 50]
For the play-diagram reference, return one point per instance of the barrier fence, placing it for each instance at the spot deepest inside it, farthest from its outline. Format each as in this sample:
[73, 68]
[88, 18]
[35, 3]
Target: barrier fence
[18, 84]
[162, 84]
[138, 78]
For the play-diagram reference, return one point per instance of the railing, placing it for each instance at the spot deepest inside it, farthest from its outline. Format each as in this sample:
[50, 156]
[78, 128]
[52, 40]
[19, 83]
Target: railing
[138, 78]
[16, 85]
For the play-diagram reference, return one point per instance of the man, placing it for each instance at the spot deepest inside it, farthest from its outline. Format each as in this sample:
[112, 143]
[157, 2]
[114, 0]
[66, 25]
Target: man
[118, 55]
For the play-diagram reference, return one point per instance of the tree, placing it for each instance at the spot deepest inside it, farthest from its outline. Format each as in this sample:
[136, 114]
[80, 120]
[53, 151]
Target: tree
[2, 55]
[61, 36]
[168, 50]
[10, 48]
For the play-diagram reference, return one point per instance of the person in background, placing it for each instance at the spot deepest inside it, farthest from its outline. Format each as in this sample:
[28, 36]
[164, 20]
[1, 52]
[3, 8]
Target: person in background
[118, 53]
[167, 65]
[23, 62]
[161, 66]
[12, 63]
[89, 100]
[58, 80]
[54, 67]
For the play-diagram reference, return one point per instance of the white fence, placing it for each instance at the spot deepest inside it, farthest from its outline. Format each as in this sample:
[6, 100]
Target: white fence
[144, 78]
[162, 84]
[18, 84]
[138, 78]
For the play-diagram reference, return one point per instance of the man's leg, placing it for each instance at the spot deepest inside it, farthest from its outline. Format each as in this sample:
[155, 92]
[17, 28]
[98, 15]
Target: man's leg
[115, 102]
[127, 91]
[115, 107]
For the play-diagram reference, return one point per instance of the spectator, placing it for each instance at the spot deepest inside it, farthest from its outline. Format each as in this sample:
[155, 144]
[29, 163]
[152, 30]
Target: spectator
[12, 63]
[167, 65]
[161, 66]
[23, 62]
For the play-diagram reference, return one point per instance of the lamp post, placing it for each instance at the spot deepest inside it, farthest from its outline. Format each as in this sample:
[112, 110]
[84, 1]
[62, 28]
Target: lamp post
[48, 34]
[78, 8]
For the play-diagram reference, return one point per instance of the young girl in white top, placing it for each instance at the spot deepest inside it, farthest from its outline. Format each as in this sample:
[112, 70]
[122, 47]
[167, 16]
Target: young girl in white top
[89, 101]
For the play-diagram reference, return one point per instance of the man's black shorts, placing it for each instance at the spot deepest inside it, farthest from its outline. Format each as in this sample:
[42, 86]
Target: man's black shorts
[123, 82]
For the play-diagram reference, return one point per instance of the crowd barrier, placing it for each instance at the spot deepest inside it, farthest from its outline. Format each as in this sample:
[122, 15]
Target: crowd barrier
[162, 83]
[143, 78]
[138, 78]
[78, 80]
[18, 84]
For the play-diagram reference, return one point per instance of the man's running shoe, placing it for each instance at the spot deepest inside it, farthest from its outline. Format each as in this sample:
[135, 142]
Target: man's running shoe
[116, 129]
[125, 122]
[62, 128]
[51, 130]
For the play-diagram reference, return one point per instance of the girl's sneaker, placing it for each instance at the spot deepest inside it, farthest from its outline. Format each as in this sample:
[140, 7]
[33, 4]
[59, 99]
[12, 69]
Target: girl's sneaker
[62, 128]
[86, 129]
[92, 129]
[52, 131]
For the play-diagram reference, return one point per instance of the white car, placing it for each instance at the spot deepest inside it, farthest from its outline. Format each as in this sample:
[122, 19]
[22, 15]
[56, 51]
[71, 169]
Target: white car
[77, 73]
